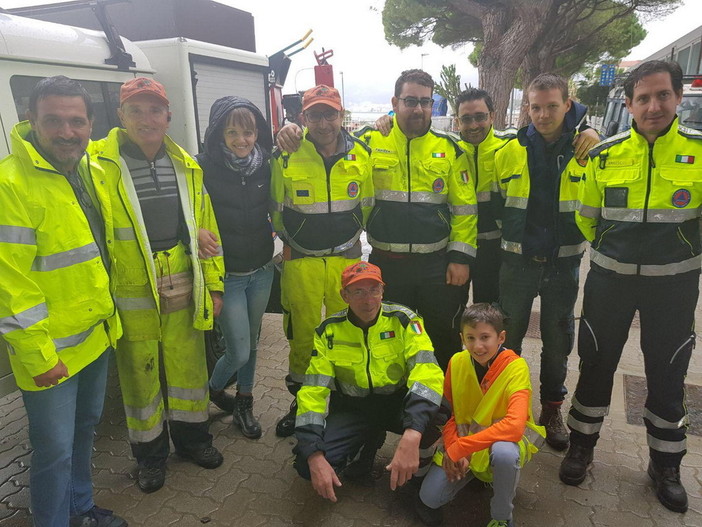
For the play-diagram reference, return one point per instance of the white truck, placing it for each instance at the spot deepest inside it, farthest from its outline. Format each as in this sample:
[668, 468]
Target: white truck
[194, 73]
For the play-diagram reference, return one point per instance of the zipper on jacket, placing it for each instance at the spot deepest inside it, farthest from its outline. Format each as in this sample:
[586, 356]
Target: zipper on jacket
[651, 166]
[368, 359]
[409, 190]
[154, 176]
[475, 162]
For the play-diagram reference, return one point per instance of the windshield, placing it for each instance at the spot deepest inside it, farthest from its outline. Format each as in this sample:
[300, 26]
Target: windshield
[690, 111]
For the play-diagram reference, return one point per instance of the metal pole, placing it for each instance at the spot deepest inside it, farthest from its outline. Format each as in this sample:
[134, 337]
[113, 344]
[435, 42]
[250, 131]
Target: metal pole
[343, 93]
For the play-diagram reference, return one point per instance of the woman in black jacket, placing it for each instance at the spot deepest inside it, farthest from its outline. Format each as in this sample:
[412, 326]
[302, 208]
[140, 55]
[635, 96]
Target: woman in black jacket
[235, 163]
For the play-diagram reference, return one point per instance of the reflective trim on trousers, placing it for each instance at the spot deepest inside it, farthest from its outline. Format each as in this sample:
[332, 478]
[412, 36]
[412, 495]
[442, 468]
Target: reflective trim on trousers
[490, 235]
[334, 251]
[145, 413]
[464, 210]
[74, 340]
[670, 447]
[571, 250]
[570, 205]
[426, 392]
[187, 416]
[322, 207]
[134, 304]
[584, 428]
[659, 422]
[14, 234]
[145, 436]
[319, 380]
[461, 248]
[590, 411]
[309, 418]
[422, 357]
[691, 264]
[24, 319]
[188, 394]
[66, 258]
[423, 248]
[125, 234]
[413, 197]
[586, 211]
[650, 215]
[512, 247]
[514, 202]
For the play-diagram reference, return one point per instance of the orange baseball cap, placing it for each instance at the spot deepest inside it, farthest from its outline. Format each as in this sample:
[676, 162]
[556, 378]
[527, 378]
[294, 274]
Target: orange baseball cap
[321, 94]
[142, 85]
[361, 271]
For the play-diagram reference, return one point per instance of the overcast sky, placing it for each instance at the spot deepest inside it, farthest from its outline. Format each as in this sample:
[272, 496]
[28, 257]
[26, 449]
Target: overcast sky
[369, 64]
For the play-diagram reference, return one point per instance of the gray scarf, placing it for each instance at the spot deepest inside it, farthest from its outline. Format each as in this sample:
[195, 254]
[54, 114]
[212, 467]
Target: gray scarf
[245, 166]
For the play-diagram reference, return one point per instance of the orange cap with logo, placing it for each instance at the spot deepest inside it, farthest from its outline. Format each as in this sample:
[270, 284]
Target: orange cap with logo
[321, 94]
[142, 85]
[361, 271]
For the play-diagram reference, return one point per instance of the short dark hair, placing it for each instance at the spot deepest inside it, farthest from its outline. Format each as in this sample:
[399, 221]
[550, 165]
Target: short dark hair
[420, 77]
[548, 81]
[649, 68]
[61, 86]
[475, 94]
[483, 312]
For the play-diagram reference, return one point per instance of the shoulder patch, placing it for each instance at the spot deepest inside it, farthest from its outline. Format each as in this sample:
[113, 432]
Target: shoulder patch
[610, 141]
[336, 318]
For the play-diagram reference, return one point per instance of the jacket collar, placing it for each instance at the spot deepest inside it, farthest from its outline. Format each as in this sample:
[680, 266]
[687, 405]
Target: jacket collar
[25, 150]
[109, 147]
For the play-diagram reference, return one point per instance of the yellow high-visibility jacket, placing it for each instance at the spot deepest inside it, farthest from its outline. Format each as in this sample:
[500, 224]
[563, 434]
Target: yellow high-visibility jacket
[55, 299]
[134, 274]
[424, 195]
[640, 203]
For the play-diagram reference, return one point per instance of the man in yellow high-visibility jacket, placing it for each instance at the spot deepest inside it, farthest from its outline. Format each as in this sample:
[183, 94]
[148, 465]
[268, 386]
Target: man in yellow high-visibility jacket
[56, 309]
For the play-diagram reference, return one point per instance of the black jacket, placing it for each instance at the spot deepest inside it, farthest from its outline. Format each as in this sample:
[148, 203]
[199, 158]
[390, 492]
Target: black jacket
[240, 203]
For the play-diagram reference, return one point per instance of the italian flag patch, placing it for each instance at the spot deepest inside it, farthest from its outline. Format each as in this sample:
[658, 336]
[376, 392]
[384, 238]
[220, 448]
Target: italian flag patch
[387, 335]
[685, 159]
[438, 154]
[464, 176]
[416, 327]
[350, 157]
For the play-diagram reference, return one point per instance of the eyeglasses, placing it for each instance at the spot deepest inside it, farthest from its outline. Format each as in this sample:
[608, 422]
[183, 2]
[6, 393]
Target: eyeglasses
[357, 294]
[478, 118]
[315, 117]
[412, 102]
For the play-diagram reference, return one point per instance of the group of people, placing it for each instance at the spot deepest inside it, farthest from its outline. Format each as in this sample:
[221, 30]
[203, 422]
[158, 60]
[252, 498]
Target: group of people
[130, 243]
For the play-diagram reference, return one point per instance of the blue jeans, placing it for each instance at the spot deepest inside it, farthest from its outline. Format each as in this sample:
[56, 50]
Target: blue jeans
[245, 300]
[62, 422]
[521, 280]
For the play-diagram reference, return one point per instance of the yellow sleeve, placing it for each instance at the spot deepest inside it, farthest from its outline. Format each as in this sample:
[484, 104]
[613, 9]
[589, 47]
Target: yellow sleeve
[464, 211]
[589, 202]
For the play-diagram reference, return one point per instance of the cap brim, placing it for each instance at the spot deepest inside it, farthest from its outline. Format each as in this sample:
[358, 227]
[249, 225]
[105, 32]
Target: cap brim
[360, 277]
[332, 104]
[147, 92]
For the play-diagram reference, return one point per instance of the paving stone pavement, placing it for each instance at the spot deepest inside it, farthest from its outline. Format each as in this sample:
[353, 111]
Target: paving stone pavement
[258, 486]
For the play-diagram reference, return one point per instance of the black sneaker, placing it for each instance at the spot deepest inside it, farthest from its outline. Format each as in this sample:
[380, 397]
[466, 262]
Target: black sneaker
[669, 489]
[150, 479]
[556, 433]
[574, 464]
[286, 426]
[208, 457]
[427, 515]
[97, 517]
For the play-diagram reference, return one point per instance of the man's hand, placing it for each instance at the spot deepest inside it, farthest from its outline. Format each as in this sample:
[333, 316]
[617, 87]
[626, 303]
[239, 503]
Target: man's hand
[384, 125]
[455, 471]
[584, 142]
[324, 479]
[52, 377]
[289, 138]
[207, 244]
[217, 302]
[457, 274]
[405, 462]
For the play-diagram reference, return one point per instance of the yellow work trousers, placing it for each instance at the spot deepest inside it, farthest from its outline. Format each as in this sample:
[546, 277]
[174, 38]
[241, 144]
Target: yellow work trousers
[307, 285]
[182, 350]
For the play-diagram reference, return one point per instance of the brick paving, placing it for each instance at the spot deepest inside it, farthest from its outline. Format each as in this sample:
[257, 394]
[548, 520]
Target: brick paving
[257, 485]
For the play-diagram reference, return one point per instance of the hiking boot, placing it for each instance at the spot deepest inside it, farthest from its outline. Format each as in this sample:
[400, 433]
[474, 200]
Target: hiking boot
[575, 463]
[97, 517]
[150, 479]
[556, 433]
[286, 426]
[669, 489]
[223, 400]
[207, 457]
[426, 514]
[243, 416]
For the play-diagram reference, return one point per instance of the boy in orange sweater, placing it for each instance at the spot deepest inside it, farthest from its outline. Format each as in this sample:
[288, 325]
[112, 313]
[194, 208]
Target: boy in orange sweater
[491, 432]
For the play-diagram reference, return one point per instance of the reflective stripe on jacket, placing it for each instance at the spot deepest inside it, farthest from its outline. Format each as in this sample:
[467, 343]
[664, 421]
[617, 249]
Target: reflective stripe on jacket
[393, 356]
[512, 172]
[481, 159]
[320, 214]
[134, 273]
[640, 203]
[54, 288]
[424, 195]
